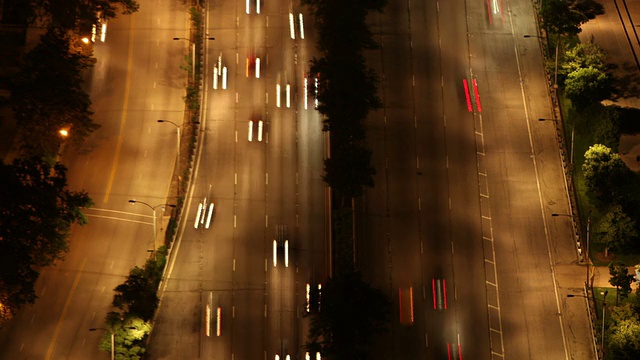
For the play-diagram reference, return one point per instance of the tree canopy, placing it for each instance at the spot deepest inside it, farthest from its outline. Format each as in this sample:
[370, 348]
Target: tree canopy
[617, 230]
[352, 313]
[602, 168]
[621, 279]
[582, 55]
[47, 96]
[562, 19]
[36, 214]
[587, 85]
[623, 341]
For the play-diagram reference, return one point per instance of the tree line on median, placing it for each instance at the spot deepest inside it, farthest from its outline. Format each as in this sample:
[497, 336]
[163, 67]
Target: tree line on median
[352, 312]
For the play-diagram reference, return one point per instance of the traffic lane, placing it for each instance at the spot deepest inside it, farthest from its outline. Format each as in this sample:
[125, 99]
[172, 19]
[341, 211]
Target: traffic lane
[82, 284]
[525, 279]
[513, 186]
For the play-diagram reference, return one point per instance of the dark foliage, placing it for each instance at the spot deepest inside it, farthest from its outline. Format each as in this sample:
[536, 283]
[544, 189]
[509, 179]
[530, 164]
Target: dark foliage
[36, 214]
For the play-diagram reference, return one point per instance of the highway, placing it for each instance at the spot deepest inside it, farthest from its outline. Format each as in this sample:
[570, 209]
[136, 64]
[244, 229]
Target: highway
[459, 192]
[266, 187]
[131, 156]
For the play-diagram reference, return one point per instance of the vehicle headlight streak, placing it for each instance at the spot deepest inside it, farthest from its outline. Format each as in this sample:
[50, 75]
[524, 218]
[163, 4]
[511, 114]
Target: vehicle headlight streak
[306, 93]
[288, 93]
[286, 253]
[103, 32]
[248, 1]
[258, 6]
[219, 321]
[257, 68]
[250, 135]
[275, 253]
[278, 95]
[302, 26]
[215, 77]
[292, 27]
[316, 101]
[198, 216]
[224, 78]
[260, 130]
[206, 225]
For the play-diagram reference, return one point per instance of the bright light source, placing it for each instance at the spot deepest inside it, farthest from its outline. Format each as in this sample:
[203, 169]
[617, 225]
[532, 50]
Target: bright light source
[94, 31]
[206, 226]
[292, 27]
[316, 101]
[198, 216]
[85, 40]
[257, 68]
[278, 95]
[248, 1]
[275, 253]
[219, 321]
[260, 130]
[204, 209]
[207, 319]
[306, 92]
[301, 26]
[103, 32]
[215, 77]
[250, 135]
[318, 357]
[224, 77]
[307, 356]
[286, 253]
[64, 132]
[288, 91]
[308, 305]
[257, 6]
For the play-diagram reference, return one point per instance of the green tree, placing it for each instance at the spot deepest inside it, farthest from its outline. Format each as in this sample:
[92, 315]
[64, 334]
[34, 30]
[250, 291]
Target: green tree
[67, 14]
[617, 230]
[138, 295]
[623, 342]
[602, 170]
[587, 85]
[47, 96]
[129, 335]
[561, 19]
[352, 312]
[621, 279]
[581, 56]
[588, 8]
[36, 214]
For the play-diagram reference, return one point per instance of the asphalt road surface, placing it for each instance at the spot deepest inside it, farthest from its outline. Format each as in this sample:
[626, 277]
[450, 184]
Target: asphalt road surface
[266, 186]
[134, 83]
[458, 194]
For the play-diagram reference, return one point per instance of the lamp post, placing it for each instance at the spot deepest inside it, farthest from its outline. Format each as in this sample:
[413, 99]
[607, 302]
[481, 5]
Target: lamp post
[153, 208]
[113, 339]
[178, 147]
[193, 54]
[604, 307]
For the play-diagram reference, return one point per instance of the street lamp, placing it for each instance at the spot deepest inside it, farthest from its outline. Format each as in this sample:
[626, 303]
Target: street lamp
[153, 208]
[555, 77]
[193, 53]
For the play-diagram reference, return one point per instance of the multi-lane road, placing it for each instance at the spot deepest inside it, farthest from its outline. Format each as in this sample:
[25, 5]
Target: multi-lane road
[465, 185]
[135, 82]
[260, 162]
[460, 205]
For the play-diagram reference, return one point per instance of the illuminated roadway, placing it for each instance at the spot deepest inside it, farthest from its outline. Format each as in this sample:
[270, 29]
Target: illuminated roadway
[260, 189]
[459, 194]
[135, 82]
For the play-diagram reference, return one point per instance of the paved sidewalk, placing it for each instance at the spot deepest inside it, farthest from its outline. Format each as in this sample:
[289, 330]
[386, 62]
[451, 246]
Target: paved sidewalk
[616, 33]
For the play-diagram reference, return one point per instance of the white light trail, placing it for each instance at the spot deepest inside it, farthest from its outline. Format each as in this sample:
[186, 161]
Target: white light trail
[306, 92]
[258, 6]
[224, 77]
[209, 216]
[219, 321]
[260, 130]
[248, 1]
[103, 32]
[257, 68]
[215, 77]
[286, 253]
[275, 253]
[250, 135]
[301, 26]
[288, 91]
[198, 216]
[278, 95]
[292, 27]
[208, 320]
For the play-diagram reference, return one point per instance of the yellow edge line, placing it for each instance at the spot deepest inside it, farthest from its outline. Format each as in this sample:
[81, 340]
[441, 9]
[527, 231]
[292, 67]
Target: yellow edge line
[64, 311]
[123, 121]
